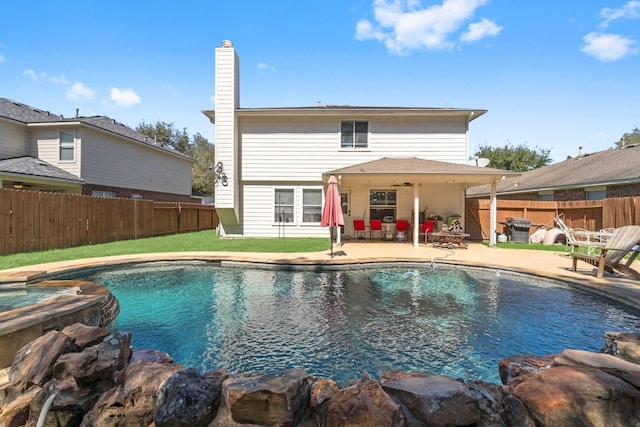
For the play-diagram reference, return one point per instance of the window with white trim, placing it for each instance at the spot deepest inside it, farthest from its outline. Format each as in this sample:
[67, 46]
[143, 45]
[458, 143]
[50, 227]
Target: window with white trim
[103, 193]
[283, 205]
[67, 146]
[354, 134]
[596, 193]
[382, 205]
[311, 205]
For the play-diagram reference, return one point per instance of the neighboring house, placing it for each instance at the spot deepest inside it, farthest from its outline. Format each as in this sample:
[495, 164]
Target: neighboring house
[87, 155]
[604, 174]
[391, 163]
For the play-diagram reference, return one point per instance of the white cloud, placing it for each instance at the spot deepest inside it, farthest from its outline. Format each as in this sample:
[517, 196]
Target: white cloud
[124, 97]
[607, 47]
[62, 80]
[79, 91]
[36, 77]
[263, 66]
[481, 30]
[2, 59]
[404, 25]
[630, 10]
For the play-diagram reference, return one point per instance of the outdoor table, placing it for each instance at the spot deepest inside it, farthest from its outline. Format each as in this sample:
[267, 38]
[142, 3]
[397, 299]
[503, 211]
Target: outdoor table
[449, 240]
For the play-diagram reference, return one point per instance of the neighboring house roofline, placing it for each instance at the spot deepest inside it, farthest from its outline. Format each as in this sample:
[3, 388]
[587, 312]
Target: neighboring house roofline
[470, 114]
[27, 166]
[19, 113]
[615, 166]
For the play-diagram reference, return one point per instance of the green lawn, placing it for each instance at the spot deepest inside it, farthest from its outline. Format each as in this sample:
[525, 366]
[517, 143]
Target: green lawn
[186, 242]
[199, 241]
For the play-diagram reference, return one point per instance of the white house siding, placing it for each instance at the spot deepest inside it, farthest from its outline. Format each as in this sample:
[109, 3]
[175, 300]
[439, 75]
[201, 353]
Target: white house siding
[258, 201]
[109, 161]
[227, 100]
[301, 149]
[46, 145]
[13, 139]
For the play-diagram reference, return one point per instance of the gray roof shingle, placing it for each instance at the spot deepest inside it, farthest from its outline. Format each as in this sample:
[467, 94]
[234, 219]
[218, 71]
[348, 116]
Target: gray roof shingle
[37, 168]
[25, 114]
[613, 166]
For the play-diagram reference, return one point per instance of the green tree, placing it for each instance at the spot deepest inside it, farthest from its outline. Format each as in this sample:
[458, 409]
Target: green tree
[518, 159]
[166, 133]
[202, 174]
[629, 138]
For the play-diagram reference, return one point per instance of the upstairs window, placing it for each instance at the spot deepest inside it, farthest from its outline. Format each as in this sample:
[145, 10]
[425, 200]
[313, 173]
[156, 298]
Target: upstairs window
[67, 146]
[283, 208]
[354, 134]
[311, 205]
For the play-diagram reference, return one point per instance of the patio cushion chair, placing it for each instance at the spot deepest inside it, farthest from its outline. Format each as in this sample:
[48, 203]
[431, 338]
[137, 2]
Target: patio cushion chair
[426, 229]
[624, 240]
[402, 226]
[576, 237]
[375, 226]
[358, 229]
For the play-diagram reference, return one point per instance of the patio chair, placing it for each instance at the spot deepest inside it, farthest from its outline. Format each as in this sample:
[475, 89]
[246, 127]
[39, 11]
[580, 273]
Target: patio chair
[375, 226]
[358, 229]
[426, 229]
[624, 240]
[402, 229]
[576, 237]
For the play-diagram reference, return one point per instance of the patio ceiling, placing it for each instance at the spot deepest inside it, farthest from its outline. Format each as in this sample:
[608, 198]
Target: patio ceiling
[399, 171]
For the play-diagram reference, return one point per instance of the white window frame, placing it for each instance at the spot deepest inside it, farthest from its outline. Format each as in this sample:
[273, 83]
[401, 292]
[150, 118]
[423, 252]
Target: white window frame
[315, 207]
[383, 206]
[103, 193]
[596, 193]
[355, 139]
[278, 206]
[66, 146]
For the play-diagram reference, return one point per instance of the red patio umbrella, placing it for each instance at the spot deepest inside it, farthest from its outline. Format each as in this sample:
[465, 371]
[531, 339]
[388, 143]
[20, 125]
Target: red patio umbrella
[332, 210]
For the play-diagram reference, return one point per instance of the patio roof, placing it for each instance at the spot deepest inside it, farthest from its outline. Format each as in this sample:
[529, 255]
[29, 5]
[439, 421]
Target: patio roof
[422, 170]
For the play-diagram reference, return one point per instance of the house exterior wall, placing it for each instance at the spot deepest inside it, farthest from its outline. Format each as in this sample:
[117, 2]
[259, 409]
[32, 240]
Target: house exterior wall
[46, 146]
[621, 190]
[12, 140]
[227, 95]
[109, 161]
[302, 148]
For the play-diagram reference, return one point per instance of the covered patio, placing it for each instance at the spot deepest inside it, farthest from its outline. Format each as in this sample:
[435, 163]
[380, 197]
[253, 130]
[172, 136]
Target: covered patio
[393, 190]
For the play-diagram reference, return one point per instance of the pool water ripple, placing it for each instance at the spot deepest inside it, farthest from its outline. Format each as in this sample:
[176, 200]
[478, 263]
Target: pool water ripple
[453, 321]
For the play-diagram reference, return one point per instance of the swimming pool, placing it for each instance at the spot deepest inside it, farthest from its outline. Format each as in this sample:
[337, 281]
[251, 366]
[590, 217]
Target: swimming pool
[12, 298]
[337, 324]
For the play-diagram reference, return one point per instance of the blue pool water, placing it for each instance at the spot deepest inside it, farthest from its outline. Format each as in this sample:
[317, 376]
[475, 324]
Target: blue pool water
[12, 298]
[336, 324]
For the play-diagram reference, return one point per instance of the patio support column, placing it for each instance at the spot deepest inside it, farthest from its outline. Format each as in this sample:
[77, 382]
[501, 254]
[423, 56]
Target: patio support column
[492, 214]
[416, 214]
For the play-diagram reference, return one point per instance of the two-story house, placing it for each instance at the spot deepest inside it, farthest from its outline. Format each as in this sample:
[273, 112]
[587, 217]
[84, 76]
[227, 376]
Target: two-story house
[94, 155]
[391, 163]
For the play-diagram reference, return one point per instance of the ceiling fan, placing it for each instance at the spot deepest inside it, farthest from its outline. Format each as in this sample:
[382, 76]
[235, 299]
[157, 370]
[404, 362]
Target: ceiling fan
[403, 184]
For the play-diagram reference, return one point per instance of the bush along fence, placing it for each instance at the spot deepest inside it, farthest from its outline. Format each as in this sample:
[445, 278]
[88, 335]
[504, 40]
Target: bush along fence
[35, 221]
[588, 214]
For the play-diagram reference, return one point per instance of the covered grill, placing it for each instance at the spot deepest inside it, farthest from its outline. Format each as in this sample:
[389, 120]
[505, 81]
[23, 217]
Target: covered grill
[518, 229]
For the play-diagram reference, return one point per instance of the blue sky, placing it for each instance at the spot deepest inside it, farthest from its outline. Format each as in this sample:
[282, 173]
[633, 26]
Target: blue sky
[552, 74]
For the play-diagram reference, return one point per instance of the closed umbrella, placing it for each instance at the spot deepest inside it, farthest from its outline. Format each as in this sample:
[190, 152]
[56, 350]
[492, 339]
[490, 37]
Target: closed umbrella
[332, 210]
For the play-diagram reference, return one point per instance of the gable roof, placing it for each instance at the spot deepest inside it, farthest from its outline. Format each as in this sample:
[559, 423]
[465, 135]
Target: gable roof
[30, 166]
[31, 116]
[608, 167]
[471, 175]
[349, 110]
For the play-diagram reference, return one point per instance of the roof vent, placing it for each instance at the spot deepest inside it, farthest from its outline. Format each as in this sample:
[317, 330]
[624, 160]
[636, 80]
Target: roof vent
[227, 43]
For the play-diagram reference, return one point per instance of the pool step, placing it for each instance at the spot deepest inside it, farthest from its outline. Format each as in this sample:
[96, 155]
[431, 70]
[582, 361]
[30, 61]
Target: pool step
[22, 276]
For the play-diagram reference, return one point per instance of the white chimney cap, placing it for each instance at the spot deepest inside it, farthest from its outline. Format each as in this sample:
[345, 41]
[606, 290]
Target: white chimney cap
[227, 43]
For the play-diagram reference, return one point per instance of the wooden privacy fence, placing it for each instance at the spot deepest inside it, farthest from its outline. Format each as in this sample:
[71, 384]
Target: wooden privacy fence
[588, 214]
[34, 221]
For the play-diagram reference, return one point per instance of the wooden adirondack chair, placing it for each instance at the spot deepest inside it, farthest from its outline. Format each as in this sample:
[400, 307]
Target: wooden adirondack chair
[624, 240]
